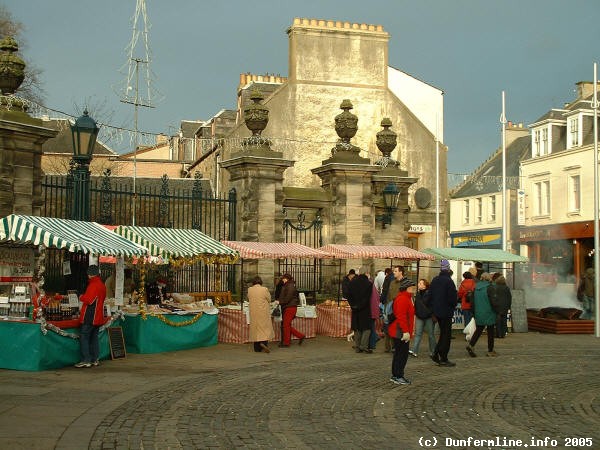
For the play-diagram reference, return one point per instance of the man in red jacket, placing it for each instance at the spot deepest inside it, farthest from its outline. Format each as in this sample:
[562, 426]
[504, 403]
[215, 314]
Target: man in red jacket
[401, 329]
[91, 318]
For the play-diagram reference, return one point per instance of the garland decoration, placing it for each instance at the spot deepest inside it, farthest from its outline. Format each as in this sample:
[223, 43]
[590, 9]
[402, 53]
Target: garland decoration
[185, 323]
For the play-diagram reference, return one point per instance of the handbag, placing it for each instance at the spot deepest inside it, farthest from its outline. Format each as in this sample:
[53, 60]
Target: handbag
[276, 311]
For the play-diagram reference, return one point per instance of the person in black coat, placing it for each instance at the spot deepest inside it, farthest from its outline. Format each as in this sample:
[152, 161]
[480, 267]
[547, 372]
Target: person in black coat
[359, 299]
[501, 300]
[443, 302]
[346, 283]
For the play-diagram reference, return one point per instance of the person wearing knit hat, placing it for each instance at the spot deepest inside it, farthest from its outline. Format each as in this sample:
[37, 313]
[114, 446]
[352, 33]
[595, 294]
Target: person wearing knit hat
[91, 318]
[401, 329]
[473, 271]
[443, 302]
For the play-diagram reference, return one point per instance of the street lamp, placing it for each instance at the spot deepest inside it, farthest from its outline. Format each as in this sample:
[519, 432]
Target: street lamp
[85, 132]
[391, 197]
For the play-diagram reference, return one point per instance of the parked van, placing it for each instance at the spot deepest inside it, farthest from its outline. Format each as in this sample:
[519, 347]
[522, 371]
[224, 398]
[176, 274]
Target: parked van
[535, 275]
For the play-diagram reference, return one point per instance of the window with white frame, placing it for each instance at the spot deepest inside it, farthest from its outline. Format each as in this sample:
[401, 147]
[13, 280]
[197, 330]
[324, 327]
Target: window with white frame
[574, 193]
[492, 209]
[573, 132]
[479, 210]
[544, 145]
[536, 143]
[541, 199]
[466, 212]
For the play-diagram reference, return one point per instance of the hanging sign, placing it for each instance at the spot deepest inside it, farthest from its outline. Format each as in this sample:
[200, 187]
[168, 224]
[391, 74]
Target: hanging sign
[520, 207]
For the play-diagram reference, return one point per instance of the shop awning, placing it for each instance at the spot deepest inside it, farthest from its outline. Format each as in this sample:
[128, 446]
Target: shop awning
[475, 254]
[172, 243]
[375, 251]
[72, 235]
[276, 250]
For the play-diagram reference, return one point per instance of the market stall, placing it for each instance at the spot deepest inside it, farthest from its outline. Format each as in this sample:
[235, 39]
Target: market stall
[180, 321]
[333, 318]
[51, 340]
[233, 323]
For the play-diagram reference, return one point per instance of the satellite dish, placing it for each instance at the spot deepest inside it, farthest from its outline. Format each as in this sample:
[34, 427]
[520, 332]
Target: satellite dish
[423, 198]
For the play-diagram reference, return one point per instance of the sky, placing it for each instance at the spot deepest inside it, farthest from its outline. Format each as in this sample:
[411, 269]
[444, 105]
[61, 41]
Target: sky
[534, 50]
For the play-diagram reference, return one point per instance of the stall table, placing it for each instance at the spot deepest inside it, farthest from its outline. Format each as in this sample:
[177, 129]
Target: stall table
[234, 328]
[335, 321]
[152, 335]
[35, 351]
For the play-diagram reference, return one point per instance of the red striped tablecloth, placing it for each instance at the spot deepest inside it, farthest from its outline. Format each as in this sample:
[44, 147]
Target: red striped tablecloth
[335, 321]
[233, 329]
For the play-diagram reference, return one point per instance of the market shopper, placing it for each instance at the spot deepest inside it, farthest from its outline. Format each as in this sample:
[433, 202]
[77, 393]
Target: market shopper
[424, 318]
[401, 329]
[91, 318]
[485, 316]
[443, 301]
[359, 299]
[389, 292]
[289, 300]
[261, 327]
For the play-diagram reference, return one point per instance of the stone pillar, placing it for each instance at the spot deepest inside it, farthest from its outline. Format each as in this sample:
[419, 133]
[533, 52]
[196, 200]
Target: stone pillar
[346, 177]
[21, 139]
[390, 172]
[256, 172]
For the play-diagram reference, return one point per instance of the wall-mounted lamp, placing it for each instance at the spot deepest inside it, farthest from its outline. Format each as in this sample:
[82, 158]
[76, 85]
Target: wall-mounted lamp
[391, 197]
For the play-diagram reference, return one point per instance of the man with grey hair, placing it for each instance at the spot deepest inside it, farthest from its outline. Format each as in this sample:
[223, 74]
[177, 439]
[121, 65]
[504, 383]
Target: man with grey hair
[359, 299]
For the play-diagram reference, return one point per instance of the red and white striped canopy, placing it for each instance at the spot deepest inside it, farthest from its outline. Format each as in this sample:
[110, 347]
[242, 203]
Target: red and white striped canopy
[374, 251]
[275, 250]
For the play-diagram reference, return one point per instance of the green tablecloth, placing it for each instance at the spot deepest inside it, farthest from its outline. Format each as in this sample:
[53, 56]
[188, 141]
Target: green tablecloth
[24, 347]
[154, 336]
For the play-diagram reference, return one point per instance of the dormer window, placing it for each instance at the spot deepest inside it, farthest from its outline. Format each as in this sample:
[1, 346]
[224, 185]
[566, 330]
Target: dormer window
[536, 143]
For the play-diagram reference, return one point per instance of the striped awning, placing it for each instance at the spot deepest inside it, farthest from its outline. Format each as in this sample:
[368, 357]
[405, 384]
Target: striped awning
[178, 243]
[475, 254]
[72, 235]
[346, 251]
[276, 250]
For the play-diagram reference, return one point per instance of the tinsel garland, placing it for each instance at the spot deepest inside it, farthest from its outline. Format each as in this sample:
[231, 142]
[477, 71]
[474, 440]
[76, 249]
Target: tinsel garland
[45, 326]
[185, 323]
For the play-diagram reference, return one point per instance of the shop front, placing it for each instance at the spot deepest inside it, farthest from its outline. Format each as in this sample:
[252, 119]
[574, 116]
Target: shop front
[477, 239]
[566, 247]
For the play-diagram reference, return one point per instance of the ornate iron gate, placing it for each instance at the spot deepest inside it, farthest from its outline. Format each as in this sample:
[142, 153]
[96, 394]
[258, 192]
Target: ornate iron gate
[306, 272]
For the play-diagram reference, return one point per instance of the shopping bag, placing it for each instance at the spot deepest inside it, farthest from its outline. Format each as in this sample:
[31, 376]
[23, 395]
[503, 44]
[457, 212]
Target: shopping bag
[277, 313]
[470, 329]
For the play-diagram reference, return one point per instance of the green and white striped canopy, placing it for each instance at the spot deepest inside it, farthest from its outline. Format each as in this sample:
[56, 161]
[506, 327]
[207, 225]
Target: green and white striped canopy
[177, 243]
[72, 235]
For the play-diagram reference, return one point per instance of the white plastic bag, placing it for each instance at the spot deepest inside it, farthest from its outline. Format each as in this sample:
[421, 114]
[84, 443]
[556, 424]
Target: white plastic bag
[470, 329]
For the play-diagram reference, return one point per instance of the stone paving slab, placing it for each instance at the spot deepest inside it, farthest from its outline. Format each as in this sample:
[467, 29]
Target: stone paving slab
[318, 395]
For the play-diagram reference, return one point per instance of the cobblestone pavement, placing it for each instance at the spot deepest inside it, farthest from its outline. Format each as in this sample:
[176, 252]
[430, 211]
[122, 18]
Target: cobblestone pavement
[318, 395]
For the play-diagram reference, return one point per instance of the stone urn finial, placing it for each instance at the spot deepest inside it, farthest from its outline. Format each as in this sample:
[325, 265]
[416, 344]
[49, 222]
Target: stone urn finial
[346, 123]
[386, 138]
[12, 67]
[256, 115]
[346, 126]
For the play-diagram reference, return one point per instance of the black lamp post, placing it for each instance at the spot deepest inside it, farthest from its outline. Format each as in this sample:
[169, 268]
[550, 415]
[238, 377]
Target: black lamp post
[391, 197]
[85, 132]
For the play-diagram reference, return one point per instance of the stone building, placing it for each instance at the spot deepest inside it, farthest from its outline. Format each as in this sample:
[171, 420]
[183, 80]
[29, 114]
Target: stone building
[329, 62]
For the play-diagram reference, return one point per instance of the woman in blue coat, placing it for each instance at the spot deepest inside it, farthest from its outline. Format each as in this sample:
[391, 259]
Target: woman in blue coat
[485, 317]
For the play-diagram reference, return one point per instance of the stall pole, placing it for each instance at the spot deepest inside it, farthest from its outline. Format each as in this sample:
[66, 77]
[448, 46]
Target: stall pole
[340, 282]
